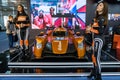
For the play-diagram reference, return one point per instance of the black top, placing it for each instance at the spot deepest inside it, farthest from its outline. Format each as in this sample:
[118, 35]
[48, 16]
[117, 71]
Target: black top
[101, 21]
[101, 28]
[24, 19]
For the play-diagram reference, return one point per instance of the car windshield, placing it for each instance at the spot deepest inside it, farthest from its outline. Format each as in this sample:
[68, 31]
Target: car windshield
[59, 33]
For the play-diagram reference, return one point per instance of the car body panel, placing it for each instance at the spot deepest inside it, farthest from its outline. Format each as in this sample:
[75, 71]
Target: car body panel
[39, 46]
[79, 43]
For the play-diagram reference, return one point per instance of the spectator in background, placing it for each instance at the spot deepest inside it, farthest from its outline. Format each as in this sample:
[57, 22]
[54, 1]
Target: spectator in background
[10, 31]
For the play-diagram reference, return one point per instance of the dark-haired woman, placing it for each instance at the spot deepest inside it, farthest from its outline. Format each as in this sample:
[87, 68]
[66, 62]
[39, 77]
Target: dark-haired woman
[98, 28]
[22, 23]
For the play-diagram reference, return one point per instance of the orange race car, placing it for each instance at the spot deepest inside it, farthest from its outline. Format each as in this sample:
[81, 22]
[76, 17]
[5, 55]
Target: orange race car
[59, 42]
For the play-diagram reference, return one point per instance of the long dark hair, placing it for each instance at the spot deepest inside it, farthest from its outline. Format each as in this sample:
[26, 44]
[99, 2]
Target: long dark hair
[105, 12]
[18, 13]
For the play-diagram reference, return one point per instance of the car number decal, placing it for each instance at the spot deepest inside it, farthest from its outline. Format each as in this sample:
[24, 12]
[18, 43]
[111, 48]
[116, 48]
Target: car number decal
[59, 46]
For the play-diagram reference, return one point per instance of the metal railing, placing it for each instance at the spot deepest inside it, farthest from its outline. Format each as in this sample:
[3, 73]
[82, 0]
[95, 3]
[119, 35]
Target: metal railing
[56, 74]
[61, 64]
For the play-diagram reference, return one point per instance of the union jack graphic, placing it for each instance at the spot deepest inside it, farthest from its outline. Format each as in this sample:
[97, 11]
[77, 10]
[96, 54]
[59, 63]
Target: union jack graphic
[76, 7]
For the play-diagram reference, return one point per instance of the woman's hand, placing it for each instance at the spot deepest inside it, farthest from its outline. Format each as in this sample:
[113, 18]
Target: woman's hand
[88, 28]
[24, 25]
[18, 25]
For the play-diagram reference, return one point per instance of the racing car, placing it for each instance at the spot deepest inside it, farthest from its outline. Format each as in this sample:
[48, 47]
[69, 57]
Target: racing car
[59, 42]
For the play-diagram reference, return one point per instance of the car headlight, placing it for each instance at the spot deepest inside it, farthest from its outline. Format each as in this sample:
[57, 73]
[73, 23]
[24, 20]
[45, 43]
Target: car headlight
[39, 45]
[80, 45]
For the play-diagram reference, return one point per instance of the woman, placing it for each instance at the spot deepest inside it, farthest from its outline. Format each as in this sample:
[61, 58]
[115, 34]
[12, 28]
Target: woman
[10, 31]
[22, 23]
[98, 29]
